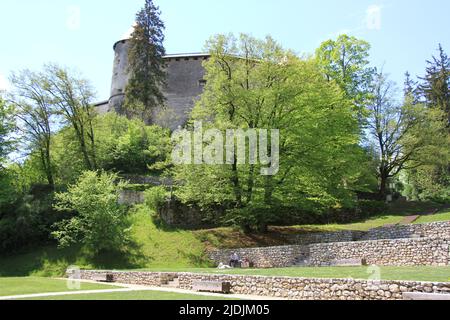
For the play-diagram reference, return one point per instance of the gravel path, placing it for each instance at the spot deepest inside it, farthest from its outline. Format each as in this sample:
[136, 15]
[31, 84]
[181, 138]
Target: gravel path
[130, 288]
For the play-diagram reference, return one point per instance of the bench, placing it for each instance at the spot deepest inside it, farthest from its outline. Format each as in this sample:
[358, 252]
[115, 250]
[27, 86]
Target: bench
[212, 286]
[426, 296]
[103, 277]
[348, 263]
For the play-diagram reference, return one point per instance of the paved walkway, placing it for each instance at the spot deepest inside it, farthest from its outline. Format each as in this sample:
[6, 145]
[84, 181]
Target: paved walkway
[130, 288]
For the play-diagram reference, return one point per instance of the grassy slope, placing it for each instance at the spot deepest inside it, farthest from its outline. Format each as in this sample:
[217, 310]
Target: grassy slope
[151, 247]
[171, 248]
[31, 285]
[441, 216]
[136, 295]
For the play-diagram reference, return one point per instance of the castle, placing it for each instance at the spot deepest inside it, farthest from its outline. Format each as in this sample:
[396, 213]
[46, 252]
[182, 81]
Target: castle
[185, 82]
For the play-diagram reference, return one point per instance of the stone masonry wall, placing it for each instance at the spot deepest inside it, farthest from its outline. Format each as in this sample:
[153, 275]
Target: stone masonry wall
[400, 252]
[424, 230]
[270, 257]
[287, 287]
[414, 231]
[323, 237]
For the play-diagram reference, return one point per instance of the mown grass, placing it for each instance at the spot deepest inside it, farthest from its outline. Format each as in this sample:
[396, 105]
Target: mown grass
[31, 285]
[135, 295]
[441, 216]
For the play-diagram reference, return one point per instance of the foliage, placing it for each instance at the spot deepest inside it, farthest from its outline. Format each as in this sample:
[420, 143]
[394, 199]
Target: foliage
[34, 112]
[147, 66]
[27, 218]
[404, 133]
[6, 128]
[72, 98]
[371, 208]
[435, 87]
[99, 222]
[155, 198]
[129, 146]
[268, 87]
[345, 60]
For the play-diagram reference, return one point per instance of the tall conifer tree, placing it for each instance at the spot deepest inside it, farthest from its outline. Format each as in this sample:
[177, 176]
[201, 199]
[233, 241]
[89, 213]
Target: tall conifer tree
[146, 63]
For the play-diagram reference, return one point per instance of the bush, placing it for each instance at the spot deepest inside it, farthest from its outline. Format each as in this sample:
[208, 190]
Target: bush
[28, 221]
[155, 198]
[99, 222]
[129, 146]
[371, 208]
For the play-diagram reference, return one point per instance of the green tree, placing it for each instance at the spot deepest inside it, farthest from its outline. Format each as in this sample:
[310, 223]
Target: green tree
[146, 63]
[256, 84]
[129, 146]
[406, 134]
[345, 60]
[99, 222]
[436, 83]
[432, 180]
[71, 98]
[6, 128]
[34, 113]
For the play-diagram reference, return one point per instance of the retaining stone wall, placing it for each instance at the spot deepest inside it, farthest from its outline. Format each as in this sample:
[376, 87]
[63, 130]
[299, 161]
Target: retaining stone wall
[270, 257]
[291, 288]
[400, 252]
[424, 230]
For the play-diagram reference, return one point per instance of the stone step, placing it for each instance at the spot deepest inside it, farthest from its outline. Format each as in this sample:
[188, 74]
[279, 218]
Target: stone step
[173, 284]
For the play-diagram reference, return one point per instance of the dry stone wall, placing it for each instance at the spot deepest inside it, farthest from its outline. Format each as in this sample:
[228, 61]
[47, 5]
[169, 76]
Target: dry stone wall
[287, 287]
[400, 252]
[424, 230]
[270, 257]
[411, 231]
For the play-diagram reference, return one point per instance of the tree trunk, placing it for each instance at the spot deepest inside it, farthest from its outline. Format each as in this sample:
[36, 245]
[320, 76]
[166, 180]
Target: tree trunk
[383, 185]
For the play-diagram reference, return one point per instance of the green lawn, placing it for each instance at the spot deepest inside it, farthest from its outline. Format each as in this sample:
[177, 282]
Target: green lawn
[442, 216]
[135, 295]
[31, 285]
[437, 274]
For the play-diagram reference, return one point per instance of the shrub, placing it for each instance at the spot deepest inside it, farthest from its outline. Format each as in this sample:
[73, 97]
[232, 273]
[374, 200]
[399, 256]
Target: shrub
[99, 222]
[155, 198]
[371, 208]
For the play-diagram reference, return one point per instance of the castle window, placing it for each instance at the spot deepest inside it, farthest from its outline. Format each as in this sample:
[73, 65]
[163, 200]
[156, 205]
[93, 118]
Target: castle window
[177, 59]
[202, 83]
[186, 59]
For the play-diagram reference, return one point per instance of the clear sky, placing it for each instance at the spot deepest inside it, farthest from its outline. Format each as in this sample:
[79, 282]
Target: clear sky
[80, 33]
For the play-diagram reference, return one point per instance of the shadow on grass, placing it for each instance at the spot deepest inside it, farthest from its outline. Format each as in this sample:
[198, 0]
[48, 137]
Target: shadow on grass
[50, 261]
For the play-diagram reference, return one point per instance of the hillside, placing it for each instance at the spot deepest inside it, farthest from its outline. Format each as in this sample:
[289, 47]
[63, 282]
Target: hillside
[156, 247]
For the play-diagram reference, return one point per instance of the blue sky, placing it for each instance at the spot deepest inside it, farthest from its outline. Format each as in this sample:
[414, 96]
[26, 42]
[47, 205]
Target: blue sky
[80, 33]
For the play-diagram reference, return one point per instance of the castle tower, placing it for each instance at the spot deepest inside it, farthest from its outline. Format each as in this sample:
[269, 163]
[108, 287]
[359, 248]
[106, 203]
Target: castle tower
[120, 76]
[185, 83]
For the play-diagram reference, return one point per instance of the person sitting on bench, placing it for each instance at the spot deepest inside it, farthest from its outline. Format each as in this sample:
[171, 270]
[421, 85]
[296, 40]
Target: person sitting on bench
[235, 260]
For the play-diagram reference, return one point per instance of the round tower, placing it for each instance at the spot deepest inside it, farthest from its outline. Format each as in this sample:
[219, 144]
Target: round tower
[120, 76]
